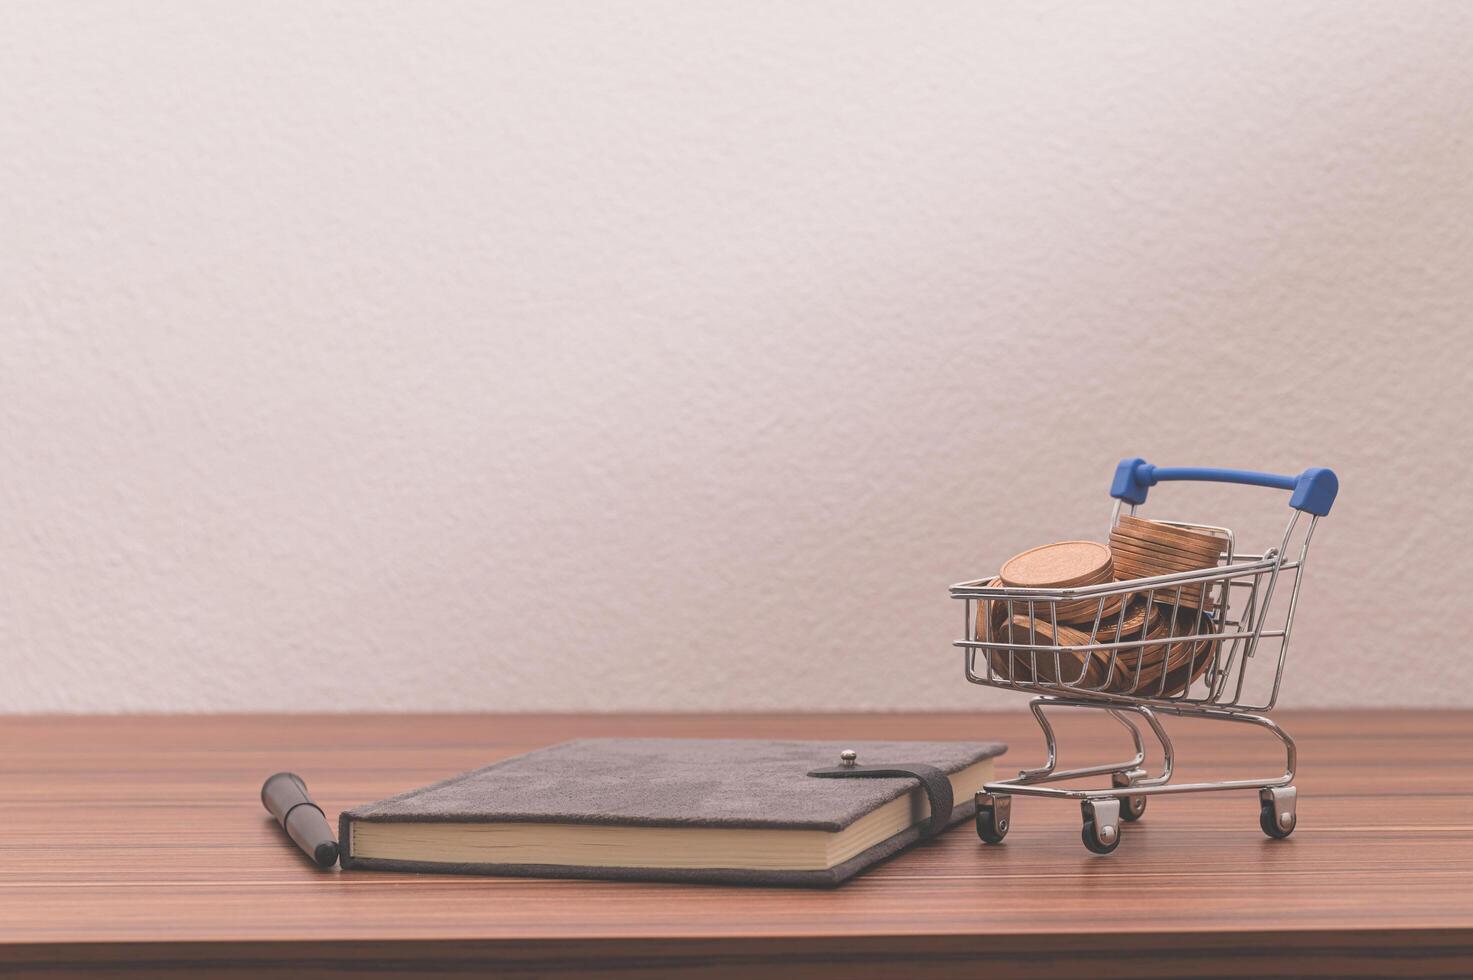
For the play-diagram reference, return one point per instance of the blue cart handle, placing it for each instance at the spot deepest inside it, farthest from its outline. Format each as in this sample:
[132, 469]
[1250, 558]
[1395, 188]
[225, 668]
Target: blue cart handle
[1314, 489]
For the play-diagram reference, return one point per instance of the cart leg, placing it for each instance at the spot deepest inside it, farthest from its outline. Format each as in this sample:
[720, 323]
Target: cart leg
[1168, 751]
[1047, 770]
[1276, 810]
[1290, 753]
[1050, 742]
[1135, 733]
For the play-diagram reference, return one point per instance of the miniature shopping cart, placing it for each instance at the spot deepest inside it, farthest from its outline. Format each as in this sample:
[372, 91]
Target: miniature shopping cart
[1222, 658]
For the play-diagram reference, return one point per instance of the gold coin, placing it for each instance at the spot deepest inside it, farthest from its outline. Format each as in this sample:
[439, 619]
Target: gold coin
[1082, 612]
[1126, 626]
[1056, 566]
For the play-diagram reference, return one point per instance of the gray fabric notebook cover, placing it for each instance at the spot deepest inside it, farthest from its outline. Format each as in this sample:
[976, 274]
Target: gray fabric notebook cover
[672, 783]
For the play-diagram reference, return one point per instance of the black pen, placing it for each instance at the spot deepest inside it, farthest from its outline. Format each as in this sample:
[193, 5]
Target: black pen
[285, 795]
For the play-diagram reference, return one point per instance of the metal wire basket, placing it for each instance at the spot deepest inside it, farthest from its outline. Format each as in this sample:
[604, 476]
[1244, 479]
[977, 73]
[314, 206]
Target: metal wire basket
[1211, 643]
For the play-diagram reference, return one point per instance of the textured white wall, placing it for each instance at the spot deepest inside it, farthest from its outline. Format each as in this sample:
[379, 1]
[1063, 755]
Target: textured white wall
[679, 355]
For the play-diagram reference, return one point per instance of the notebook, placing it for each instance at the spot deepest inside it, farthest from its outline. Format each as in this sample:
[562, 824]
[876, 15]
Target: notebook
[708, 810]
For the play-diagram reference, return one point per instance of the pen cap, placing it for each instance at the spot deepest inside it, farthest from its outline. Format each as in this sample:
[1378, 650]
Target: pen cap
[285, 795]
[283, 791]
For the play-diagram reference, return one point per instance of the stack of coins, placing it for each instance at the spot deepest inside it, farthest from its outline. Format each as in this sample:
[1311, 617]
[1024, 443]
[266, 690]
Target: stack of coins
[1142, 549]
[1083, 668]
[1040, 667]
[1066, 565]
[1186, 661]
[1152, 667]
[1137, 669]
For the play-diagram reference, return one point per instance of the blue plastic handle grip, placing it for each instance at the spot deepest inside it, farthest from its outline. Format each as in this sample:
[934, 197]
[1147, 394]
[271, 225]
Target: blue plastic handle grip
[1314, 489]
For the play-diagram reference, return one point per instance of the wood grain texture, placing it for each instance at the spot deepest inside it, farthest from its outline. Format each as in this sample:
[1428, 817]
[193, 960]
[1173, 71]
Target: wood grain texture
[141, 843]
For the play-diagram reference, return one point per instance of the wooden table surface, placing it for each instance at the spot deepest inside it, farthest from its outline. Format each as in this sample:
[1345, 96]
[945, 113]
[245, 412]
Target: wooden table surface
[141, 842]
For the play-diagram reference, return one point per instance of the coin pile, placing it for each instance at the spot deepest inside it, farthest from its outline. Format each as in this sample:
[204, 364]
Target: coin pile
[1137, 669]
[1066, 565]
[1143, 548]
[1153, 667]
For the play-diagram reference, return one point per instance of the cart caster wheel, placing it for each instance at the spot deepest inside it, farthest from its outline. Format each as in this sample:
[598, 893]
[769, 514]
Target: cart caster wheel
[994, 816]
[1276, 811]
[1101, 833]
[1093, 838]
[1132, 808]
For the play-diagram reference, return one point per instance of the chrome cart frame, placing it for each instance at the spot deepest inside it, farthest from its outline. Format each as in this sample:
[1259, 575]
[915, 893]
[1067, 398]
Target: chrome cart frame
[1233, 654]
